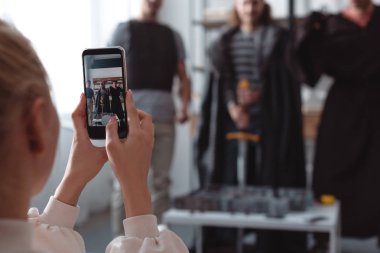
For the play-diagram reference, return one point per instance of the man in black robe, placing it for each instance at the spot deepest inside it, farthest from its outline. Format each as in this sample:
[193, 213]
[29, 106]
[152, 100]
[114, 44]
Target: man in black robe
[346, 46]
[102, 103]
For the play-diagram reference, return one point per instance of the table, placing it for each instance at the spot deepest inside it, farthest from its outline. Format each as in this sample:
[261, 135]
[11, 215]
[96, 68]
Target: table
[299, 221]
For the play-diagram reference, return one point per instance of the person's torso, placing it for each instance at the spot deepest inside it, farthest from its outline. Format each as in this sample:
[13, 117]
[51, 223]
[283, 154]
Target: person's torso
[248, 54]
[103, 92]
[89, 93]
[151, 56]
[115, 93]
[16, 236]
[351, 52]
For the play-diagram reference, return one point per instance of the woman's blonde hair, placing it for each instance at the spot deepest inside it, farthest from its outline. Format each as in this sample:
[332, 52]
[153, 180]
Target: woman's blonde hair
[22, 76]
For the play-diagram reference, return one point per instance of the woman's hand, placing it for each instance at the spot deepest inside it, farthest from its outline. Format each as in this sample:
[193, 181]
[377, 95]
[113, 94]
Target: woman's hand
[130, 158]
[85, 160]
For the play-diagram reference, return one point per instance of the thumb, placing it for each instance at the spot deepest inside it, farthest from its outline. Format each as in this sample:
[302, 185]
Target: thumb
[79, 117]
[112, 137]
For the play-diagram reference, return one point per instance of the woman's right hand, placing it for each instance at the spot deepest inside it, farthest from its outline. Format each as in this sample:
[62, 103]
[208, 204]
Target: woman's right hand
[130, 158]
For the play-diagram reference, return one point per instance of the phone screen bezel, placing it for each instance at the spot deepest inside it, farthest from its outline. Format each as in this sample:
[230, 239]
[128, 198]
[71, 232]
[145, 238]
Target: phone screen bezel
[99, 132]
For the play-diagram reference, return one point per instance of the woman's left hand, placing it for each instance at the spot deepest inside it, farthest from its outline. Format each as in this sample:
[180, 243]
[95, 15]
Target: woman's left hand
[85, 160]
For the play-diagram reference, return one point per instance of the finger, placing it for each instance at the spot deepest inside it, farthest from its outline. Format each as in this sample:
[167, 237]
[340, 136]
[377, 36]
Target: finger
[143, 115]
[147, 126]
[112, 137]
[146, 122]
[79, 117]
[134, 122]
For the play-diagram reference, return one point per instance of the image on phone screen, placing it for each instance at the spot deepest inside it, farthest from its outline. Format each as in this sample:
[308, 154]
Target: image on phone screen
[104, 91]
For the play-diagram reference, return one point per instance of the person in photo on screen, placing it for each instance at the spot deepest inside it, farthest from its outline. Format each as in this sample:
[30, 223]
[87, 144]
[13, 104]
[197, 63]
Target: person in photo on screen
[116, 107]
[103, 100]
[90, 98]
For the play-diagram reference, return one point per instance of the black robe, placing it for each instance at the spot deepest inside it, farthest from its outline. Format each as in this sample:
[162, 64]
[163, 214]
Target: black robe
[282, 143]
[116, 106]
[106, 101]
[347, 161]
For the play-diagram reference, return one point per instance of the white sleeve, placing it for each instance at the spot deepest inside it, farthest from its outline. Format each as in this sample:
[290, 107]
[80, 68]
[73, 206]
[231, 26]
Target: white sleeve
[53, 229]
[142, 236]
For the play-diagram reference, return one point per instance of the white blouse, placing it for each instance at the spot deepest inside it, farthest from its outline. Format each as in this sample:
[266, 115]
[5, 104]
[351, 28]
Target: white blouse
[52, 232]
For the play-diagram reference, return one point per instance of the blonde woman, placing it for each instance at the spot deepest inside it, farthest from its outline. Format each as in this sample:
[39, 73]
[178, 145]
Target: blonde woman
[28, 138]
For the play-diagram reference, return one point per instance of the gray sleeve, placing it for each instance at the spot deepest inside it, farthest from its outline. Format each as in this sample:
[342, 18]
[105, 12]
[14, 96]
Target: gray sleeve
[121, 36]
[180, 47]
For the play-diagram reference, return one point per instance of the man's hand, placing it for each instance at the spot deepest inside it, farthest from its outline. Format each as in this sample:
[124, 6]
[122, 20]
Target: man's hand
[185, 92]
[183, 116]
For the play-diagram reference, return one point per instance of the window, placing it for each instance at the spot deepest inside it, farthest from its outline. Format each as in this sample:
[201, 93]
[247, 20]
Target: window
[60, 30]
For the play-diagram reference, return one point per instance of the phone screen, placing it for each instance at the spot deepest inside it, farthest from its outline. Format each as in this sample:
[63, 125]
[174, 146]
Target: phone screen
[104, 88]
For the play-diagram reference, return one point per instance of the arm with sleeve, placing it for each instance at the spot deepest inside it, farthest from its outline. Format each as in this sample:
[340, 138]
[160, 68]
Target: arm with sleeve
[309, 50]
[53, 229]
[142, 235]
[53, 232]
[181, 53]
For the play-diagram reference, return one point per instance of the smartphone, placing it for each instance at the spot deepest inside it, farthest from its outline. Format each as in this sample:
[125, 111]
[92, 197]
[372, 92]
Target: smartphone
[104, 75]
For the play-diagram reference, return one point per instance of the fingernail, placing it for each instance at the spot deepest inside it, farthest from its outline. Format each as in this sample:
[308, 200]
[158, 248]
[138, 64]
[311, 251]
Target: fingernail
[112, 120]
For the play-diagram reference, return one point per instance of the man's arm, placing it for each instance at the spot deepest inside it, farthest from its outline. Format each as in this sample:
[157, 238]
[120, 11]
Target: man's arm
[185, 91]
[185, 87]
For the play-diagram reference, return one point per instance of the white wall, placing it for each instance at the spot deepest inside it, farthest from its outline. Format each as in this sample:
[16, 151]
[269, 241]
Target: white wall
[61, 30]
[175, 13]
[106, 72]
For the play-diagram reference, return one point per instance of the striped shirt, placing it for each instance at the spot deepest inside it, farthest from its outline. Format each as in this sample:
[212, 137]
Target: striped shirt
[245, 57]
[248, 52]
